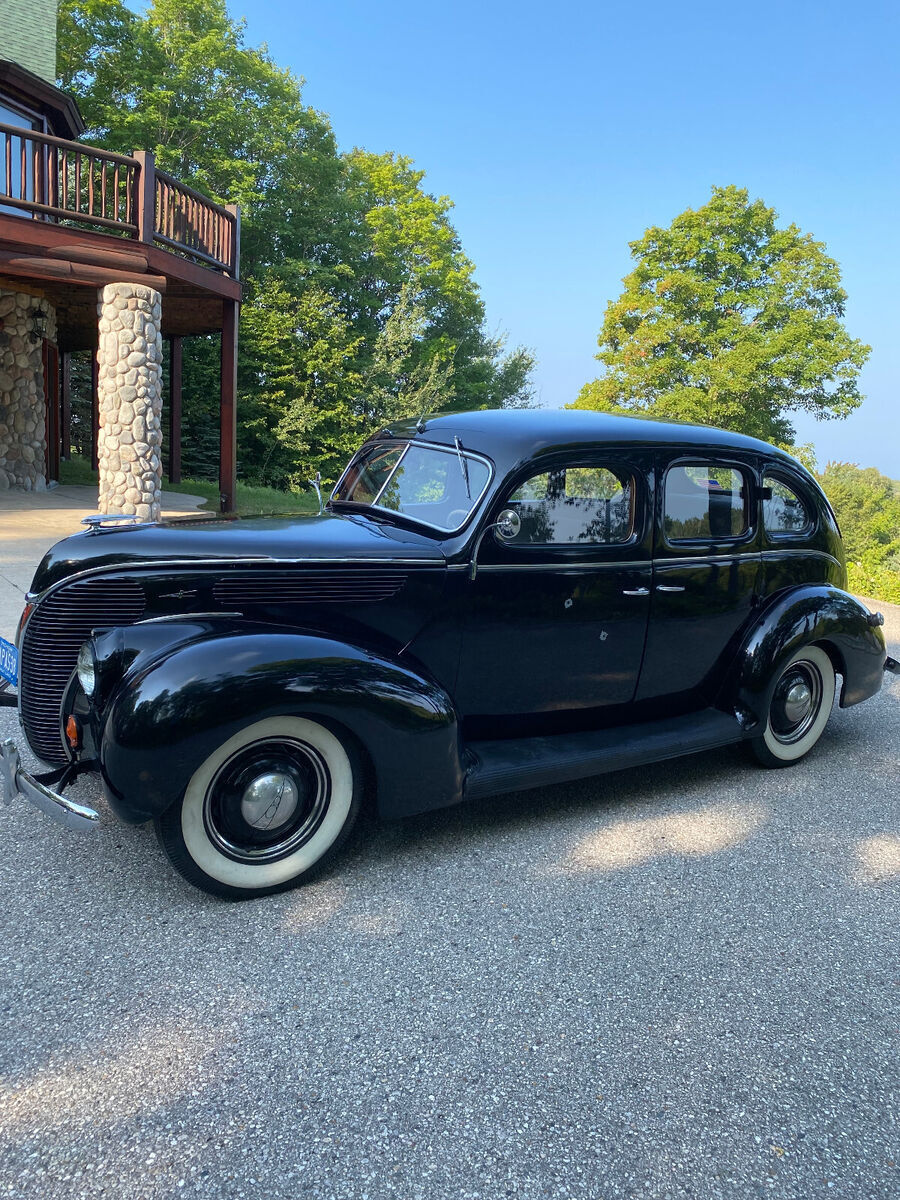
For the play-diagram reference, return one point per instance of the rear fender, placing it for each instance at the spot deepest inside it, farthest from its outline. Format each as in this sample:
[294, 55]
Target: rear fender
[820, 614]
[165, 719]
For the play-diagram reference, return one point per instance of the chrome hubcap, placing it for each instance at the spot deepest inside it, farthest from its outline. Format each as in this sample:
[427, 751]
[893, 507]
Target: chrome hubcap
[269, 800]
[797, 702]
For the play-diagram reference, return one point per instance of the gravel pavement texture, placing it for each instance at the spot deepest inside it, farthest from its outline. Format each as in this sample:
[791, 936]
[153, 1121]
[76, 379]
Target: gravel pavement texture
[677, 982]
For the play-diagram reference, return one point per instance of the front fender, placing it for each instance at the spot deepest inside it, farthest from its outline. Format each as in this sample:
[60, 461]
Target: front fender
[166, 718]
[821, 614]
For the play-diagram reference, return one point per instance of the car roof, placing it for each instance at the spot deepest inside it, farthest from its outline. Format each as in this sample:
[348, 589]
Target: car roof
[514, 434]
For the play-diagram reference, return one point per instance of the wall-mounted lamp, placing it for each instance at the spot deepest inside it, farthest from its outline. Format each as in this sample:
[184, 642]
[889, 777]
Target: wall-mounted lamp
[38, 324]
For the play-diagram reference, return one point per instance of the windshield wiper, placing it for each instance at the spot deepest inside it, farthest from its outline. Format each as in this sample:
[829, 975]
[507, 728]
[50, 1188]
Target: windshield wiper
[463, 466]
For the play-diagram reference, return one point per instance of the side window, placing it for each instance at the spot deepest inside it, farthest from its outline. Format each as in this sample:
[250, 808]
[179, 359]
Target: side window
[783, 510]
[581, 505]
[704, 501]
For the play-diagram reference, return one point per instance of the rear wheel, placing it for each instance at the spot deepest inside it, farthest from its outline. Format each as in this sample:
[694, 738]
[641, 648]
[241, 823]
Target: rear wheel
[799, 710]
[266, 808]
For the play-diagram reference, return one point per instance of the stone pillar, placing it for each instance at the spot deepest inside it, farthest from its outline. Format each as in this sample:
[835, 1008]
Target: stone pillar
[23, 409]
[130, 400]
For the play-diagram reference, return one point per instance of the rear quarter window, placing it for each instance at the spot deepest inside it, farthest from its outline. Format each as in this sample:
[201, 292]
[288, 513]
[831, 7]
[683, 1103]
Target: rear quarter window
[784, 510]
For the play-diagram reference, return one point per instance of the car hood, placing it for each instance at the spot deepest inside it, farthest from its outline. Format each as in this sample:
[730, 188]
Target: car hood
[328, 537]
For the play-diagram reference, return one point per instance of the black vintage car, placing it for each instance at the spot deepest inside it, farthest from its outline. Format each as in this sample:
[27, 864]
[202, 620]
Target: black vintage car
[489, 602]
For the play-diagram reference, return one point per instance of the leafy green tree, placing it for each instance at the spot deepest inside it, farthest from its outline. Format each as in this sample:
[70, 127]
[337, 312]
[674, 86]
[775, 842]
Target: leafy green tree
[409, 240]
[403, 381]
[178, 80]
[731, 321]
[867, 506]
[359, 301]
[411, 256]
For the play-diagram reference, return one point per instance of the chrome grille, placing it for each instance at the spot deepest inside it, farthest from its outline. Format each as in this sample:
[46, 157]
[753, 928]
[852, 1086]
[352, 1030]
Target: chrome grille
[309, 586]
[53, 637]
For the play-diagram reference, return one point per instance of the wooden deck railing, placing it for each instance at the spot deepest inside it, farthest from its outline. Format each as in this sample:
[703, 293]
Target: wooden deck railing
[189, 222]
[51, 179]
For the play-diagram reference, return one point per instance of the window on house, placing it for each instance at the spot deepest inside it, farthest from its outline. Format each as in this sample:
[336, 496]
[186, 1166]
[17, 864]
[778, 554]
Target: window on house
[14, 147]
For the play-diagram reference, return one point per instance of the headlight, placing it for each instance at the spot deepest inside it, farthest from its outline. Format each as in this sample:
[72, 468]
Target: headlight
[86, 669]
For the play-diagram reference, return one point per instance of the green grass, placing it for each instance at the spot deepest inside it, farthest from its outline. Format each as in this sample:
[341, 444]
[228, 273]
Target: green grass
[76, 472]
[251, 501]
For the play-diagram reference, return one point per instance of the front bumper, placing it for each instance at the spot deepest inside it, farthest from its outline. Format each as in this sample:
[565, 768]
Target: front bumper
[13, 780]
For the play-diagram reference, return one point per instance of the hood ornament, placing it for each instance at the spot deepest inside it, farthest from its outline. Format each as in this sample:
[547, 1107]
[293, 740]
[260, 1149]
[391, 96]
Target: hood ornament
[97, 521]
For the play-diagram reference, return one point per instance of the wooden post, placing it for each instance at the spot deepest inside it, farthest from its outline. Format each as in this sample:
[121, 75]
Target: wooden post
[95, 412]
[228, 407]
[174, 410]
[50, 356]
[48, 419]
[146, 195]
[236, 241]
[66, 405]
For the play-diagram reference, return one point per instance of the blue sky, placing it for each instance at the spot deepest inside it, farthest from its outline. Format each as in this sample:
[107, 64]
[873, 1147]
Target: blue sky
[562, 131]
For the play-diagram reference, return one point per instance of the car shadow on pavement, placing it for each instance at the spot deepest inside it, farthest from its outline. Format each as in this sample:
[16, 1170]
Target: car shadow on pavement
[556, 818]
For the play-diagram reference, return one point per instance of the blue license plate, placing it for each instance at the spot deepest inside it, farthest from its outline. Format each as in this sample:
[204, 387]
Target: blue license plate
[9, 662]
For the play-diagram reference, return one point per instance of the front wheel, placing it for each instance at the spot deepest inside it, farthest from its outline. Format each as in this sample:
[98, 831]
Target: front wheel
[799, 710]
[266, 807]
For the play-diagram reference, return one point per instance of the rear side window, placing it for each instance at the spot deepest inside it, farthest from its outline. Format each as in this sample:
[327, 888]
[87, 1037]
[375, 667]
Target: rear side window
[783, 510]
[582, 505]
[704, 501]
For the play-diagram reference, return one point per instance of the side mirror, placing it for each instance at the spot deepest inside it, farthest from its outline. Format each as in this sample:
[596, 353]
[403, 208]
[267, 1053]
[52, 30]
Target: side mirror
[508, 524]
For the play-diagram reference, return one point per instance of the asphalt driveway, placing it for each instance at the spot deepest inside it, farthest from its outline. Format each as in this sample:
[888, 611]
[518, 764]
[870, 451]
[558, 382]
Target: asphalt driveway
[680, 982]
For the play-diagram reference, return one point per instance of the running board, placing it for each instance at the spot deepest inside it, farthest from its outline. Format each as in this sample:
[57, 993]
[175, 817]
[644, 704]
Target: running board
[520, 763]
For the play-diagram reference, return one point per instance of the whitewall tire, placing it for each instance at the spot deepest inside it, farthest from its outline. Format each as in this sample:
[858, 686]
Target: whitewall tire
[801, 704]
[267, 806]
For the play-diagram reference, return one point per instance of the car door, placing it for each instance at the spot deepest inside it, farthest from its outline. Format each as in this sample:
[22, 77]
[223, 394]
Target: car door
[706, 572]
[556, 617]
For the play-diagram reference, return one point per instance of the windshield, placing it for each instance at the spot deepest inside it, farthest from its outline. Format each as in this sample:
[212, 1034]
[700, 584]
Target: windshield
[438, 486]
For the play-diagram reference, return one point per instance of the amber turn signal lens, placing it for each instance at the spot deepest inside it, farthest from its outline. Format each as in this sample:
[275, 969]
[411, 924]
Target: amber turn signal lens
[23, 620]
[73, 732]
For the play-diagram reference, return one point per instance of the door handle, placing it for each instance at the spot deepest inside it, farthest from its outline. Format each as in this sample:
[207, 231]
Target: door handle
[669, 587]
[636, 592]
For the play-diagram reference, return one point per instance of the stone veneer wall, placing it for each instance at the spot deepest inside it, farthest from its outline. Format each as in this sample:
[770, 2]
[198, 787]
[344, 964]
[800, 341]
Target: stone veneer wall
[130, 400]
[23, 411]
